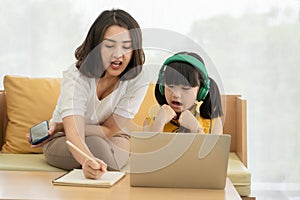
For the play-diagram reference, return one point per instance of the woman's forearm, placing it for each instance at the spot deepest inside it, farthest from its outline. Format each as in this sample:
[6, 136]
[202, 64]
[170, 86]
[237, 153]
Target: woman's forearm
[94, 129]
[74, 130]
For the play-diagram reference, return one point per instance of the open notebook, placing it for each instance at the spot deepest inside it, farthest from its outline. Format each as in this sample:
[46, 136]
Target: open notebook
[76, 178]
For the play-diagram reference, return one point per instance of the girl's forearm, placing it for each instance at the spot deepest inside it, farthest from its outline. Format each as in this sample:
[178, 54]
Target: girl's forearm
[158, 125]
[218, 126]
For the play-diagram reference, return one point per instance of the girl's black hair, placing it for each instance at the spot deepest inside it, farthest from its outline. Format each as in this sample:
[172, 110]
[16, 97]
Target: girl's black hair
[89, 61]
[186, 74]
[211, 106]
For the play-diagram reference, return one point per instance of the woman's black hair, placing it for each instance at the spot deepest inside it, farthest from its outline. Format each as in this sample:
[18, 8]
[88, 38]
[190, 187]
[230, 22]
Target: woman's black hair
[89, 61]
[186, 74]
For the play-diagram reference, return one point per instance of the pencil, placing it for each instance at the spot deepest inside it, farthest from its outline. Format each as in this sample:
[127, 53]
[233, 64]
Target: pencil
[80, 151]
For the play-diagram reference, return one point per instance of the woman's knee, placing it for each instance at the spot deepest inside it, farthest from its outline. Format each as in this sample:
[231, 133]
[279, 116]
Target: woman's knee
[114, 156]
[57, 154]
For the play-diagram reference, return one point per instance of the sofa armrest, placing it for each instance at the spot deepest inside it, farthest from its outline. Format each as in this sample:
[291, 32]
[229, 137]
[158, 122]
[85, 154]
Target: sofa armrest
[235, 124]
[3, 117]
[241, 137]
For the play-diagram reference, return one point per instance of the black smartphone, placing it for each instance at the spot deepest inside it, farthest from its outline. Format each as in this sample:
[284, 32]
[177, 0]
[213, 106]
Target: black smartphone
[39, 132]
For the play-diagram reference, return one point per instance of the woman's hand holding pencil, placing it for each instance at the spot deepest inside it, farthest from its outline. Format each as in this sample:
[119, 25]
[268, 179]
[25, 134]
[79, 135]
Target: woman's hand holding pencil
[93, 168]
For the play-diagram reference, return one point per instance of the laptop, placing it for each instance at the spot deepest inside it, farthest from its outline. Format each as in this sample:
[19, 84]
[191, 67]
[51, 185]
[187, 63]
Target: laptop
[180, 160]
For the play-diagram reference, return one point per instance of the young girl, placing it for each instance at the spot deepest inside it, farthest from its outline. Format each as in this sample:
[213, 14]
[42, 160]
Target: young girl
[190, 100]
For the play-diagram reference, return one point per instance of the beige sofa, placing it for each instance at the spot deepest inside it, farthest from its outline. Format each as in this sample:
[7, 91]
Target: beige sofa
[27, 101]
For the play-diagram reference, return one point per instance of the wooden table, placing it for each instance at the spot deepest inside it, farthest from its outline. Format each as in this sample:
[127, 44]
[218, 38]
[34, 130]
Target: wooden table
[38, 185]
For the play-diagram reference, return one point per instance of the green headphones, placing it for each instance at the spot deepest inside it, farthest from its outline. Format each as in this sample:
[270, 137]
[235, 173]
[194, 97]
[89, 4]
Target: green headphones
[203, 90]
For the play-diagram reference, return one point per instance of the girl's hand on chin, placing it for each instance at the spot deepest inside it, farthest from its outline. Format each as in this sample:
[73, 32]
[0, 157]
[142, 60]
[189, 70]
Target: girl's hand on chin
[169, 113]
[189, 121]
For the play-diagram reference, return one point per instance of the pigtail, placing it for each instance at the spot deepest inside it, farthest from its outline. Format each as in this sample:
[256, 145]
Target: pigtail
[161, 99]
[211, 106]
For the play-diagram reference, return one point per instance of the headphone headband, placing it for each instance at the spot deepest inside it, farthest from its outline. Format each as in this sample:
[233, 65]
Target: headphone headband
[193, 61]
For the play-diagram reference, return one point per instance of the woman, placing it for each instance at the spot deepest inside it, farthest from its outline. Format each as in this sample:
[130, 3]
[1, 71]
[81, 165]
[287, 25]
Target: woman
[99, 96]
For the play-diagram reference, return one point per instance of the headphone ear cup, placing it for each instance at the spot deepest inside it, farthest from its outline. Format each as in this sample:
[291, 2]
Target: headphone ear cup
[202, 93]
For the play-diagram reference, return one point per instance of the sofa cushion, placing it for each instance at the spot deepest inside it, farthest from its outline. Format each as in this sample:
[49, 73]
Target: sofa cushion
[147, 108]
[25, 162]
[239, 175]
[29, 101]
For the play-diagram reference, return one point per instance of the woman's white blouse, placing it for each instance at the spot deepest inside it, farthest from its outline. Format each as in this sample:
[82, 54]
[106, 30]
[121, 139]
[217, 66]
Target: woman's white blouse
[78, 96]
